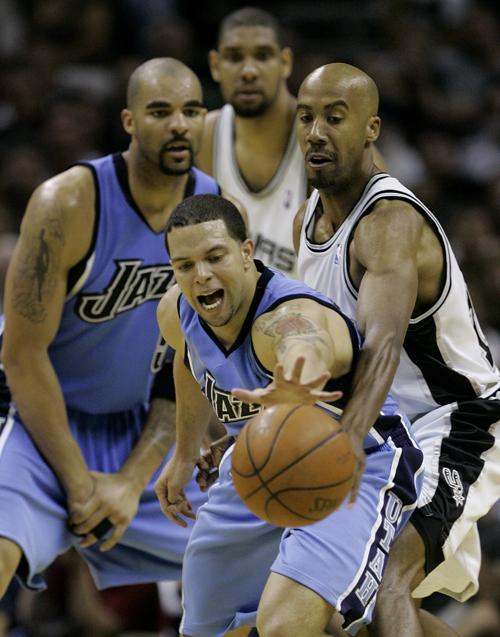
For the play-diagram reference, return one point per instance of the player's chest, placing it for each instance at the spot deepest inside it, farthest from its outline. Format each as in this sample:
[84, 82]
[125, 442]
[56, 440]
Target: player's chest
[257, 169]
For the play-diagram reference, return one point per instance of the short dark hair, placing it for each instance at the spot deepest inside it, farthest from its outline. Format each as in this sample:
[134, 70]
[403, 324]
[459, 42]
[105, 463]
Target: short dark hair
[203, 208]
[250, 17]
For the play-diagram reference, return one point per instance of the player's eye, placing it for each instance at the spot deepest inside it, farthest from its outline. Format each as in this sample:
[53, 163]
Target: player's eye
[191, 112]
[158, 114]
[233, 57]
[305, 117]
[264, 55]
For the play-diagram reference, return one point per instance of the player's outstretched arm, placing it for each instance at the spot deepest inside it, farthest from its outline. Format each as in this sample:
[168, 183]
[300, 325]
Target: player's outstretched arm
[55, 234]
[386, 245]
[305, 343]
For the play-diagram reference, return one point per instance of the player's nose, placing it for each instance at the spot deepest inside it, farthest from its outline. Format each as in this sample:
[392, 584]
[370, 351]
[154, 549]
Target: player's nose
[249, 70]
[317, 132]
[202, 272]
[178, 123]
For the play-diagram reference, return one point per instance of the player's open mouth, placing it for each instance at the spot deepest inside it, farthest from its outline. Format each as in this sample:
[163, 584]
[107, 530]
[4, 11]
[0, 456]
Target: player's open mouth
[211, 301]
[317, 161]
[178, 149]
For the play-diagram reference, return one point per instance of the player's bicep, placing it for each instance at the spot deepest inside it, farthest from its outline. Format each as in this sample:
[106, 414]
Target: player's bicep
[36, 279]
[168, 319]
[386, 246]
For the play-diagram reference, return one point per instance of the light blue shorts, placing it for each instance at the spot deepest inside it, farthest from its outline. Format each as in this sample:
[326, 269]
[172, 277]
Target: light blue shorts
[341, 558]
[33, 505]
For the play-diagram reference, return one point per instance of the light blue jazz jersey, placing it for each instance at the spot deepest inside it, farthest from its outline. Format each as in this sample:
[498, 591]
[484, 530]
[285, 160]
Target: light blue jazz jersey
[231, 551]
[108, 346]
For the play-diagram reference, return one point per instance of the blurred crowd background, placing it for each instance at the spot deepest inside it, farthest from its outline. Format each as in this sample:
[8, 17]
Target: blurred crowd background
[64, 65]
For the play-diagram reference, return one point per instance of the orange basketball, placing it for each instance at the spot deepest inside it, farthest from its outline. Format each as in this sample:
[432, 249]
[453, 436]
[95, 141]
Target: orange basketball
[292, 464]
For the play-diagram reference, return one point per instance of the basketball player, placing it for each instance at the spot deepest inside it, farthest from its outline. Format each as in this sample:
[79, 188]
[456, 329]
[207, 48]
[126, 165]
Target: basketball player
[81, 347]
[250, 144]
[231, 320]
[370, 244]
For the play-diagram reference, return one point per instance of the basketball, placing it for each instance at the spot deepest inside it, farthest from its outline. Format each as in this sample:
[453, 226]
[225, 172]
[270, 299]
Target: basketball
[292, 465]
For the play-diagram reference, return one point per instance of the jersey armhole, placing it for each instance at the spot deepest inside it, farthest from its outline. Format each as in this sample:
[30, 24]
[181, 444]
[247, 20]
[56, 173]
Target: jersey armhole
[77, 271]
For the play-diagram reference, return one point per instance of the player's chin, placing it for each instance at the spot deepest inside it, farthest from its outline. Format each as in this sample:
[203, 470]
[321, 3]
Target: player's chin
[176, 167]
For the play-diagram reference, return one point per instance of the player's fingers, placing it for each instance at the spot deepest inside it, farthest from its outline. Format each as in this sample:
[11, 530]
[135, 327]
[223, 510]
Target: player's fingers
[87, 541]
[90, 524]
[318, 382]
[205, 461]
[279, 374]
[114, 538]
[247, 396]
[327, 396]
[298, 366]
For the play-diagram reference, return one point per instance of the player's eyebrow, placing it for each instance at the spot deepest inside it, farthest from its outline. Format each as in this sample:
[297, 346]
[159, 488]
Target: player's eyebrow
[219, 246]
[165, 104]
[339, 102]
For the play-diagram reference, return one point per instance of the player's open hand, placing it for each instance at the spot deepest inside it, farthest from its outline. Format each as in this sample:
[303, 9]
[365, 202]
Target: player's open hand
[110, 509]
[208, 463]
[290, 389]
[169, 490]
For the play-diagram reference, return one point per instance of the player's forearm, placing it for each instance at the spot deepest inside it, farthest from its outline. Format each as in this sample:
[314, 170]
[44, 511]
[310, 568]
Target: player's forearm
[377, 365]
[317, 357]
[154, 443]
[39, 400]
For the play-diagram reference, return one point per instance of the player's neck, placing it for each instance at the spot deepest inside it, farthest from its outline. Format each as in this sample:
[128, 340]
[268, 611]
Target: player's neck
[272, 128]
[337, 204]
[154, 193]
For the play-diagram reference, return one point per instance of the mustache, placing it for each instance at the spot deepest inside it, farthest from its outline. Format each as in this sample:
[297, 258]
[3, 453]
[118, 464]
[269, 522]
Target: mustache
[173, 140]
[320, 151]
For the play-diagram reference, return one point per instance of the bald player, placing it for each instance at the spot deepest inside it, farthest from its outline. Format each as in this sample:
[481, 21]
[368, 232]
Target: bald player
[371, 245]
[91, 418]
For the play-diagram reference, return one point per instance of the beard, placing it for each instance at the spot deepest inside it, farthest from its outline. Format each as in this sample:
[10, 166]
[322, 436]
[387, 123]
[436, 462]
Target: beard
[170, 166]
[250, 111]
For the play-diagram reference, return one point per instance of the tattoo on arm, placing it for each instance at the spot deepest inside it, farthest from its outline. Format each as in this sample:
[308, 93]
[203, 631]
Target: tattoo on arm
[35, 278]
[292, 327]
[159, 430]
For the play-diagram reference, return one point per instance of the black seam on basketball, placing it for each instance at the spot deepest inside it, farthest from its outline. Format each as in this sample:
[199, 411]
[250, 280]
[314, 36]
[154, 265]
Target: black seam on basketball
[323, 486]
[299, 515]
[296, 461]
[276, 497]
[271, 447]
[257, 471]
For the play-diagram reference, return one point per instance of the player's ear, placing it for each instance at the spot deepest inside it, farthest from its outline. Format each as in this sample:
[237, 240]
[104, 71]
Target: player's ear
[213, 63]
[286, 56]
[373, 129]
[247, 251]
[127, 121]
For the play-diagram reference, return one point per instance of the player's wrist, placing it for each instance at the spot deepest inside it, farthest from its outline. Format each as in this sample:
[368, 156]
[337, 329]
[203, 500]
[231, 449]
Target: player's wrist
[79, 488]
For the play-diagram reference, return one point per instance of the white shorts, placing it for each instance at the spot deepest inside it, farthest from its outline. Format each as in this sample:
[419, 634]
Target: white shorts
[461, 445]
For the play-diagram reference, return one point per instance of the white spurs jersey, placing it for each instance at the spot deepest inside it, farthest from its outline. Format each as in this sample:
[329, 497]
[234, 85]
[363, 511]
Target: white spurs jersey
[446, 357]
[271, 210]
